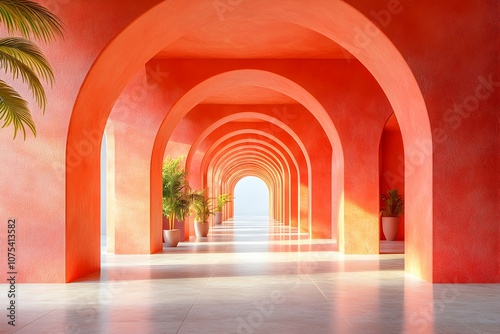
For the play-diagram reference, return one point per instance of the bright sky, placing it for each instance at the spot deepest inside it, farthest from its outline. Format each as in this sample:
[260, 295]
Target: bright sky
[251, 197]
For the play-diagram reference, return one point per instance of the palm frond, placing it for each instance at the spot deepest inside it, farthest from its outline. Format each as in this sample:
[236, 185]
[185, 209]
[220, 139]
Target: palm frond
[222, 199]
[202, 205]
[30, 19]
[30, 54]
[393, 203]
[23, 58]
[14, 110]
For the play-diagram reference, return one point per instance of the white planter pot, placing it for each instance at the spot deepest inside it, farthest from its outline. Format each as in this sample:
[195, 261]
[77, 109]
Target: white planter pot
[390, 226]
[218, 218]
[201, 229]
[171, 237]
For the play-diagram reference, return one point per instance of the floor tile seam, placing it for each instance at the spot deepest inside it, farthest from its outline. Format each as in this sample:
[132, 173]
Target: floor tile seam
[328, 300]
[461, 322]
[198, 295]
[317, 287]
[38, 318]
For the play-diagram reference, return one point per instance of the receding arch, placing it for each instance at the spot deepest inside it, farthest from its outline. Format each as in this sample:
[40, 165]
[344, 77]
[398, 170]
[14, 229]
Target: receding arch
[301, 161]
[271, 142]
[159, 27]
[264, 134]
[230, 162]
[244, 115]
[257, 78]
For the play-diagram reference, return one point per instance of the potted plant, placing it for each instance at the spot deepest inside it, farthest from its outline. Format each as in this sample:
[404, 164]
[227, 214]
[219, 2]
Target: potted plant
[222, 200]
[176, 197]
[393, 208]
[202, 207]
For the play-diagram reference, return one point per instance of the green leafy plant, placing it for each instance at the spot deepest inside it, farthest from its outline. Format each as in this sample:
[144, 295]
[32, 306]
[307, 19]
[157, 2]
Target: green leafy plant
[23, 58]
[177, 195]
[222, 200]
[393, 204]
[202, 206]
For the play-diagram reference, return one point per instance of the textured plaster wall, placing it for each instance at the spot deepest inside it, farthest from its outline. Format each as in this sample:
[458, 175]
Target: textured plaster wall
[455, 61]
[37, 199]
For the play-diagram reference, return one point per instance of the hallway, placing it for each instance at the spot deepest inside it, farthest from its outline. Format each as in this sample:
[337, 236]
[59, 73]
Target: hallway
[251, 276]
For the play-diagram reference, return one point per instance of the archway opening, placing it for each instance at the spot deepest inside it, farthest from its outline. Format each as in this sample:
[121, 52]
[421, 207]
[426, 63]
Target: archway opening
[251, 198]
[392, 176]
[104, 83]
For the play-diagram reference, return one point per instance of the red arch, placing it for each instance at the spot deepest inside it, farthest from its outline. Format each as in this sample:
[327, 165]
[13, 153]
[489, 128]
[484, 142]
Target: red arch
[159, 27]
[272, 143]
[230, 161]
[295, 201]
[229, 80]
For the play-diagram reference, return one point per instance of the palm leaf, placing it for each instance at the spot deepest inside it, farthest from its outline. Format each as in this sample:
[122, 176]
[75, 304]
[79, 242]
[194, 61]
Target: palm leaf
[28, 53]
[202, 205]
[176, 190]
[222, 199]
[23, 58]
[30, 19]
[14, 110]
[393, 202]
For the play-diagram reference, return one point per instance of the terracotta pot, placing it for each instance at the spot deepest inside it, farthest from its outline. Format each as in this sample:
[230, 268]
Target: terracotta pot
[218, 218]
[390, 226]
[171, 237]
[201, 228]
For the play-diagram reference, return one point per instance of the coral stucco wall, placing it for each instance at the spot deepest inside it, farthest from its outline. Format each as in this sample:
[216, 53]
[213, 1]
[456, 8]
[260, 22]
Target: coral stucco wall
[455, 60]
[37, 200]
[429, 62]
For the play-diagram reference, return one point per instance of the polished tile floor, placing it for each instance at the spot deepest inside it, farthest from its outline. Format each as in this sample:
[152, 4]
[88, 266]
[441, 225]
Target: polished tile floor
[253, 276]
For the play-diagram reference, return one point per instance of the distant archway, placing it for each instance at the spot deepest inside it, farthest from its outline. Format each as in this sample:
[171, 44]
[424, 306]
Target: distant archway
[392, 174]
[251, 197]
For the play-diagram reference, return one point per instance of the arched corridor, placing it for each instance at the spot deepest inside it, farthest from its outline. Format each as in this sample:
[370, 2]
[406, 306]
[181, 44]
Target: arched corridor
[331, 210]
[331, 105]
[312, 111]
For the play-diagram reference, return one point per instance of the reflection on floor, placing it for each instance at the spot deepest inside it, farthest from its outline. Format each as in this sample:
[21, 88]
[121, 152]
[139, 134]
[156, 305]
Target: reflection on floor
[392, 247]
[251, 276]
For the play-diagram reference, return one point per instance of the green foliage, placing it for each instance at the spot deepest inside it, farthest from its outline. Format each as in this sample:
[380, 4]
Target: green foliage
[393, 204]
[30, 19]
[177, 195]
[22, 58]
[222, 199]
[14, 109]
[202, 205]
